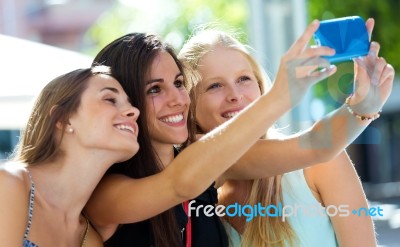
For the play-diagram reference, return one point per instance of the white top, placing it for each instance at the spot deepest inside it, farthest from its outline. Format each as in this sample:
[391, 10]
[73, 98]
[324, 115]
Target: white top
[305, 214]
[308, 218]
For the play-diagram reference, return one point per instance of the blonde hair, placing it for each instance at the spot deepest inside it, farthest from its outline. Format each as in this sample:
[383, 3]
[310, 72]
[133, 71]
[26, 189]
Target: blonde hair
[261, 231]
[202, 43]
[58, 100]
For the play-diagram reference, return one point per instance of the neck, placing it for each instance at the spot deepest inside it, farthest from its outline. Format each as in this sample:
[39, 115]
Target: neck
[235, 191]
[66, 183]
[165, 152]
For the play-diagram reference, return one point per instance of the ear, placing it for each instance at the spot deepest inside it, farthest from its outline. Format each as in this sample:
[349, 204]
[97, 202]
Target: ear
[59, 125]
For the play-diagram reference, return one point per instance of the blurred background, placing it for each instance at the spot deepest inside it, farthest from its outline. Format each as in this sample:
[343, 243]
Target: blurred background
[40, 39]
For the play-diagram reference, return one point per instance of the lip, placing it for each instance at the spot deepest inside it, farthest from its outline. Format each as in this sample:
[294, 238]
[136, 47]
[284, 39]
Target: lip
[175, 119]
[239, 109]
[132, 125]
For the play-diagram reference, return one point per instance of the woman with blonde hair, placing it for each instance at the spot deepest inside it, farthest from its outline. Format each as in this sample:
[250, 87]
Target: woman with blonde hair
[225, 79]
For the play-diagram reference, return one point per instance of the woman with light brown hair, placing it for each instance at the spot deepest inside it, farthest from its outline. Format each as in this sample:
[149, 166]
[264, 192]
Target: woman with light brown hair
[64, 151]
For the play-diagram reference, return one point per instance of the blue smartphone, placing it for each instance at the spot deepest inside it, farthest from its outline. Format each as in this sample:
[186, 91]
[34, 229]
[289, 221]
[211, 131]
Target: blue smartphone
[347, 35]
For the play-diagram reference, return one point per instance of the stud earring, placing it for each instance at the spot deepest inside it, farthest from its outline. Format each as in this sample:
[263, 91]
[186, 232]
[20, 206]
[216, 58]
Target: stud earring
[70, 130]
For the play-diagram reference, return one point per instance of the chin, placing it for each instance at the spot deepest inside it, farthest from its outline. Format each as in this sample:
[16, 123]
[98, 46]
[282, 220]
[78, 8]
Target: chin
[181, 139]
[131, 152]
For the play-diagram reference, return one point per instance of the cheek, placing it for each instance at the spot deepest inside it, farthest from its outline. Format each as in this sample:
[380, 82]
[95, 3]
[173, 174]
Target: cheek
[252, 93]
[206, 109]
[151, 110]
[206, 105]
[186, 97]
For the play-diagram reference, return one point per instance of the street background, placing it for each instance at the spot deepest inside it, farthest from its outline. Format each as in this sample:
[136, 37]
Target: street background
[74, 30]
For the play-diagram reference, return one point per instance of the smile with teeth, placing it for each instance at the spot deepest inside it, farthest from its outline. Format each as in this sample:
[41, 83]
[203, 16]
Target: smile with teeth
[125, 127]
[230, 114]
[172, 119]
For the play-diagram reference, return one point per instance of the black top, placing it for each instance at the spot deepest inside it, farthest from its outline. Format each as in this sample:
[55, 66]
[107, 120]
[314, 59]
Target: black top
[206, 231]
[139, 234]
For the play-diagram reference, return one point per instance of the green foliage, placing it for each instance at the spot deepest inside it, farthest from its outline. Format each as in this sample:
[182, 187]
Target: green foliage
[175, 20]
[386, 32]
[385, 13]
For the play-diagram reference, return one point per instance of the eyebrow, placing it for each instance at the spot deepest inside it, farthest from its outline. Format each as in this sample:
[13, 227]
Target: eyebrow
[162, 80]
[216, 78]
[112, 89]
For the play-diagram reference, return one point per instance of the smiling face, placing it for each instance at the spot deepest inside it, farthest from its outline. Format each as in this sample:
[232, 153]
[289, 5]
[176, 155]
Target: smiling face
[105, 119]
[228, 85]
[167, 102]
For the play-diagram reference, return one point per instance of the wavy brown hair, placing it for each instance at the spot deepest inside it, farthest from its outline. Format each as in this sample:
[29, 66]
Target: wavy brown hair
[57, 101]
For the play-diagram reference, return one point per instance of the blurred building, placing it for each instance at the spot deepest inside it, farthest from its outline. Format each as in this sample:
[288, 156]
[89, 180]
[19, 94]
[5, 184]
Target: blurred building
[273, 26]
[60, 23]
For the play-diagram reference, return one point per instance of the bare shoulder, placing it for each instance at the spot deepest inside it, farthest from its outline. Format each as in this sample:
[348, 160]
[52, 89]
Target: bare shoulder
[12, 175]
[14, 185]
[14, 197]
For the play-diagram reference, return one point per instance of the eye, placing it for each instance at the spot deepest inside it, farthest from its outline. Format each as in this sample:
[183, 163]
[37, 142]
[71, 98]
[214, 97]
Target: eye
[179, 84]
[214, 86]
[112, 100]
[154, 90]
[244, 79]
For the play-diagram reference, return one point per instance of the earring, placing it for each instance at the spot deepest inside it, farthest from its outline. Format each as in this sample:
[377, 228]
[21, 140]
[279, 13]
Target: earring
[70, 130]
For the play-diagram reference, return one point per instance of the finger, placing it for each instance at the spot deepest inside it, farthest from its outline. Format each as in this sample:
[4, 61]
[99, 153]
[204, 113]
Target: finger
[322, 74]
[374, 49]
[304, 66]
[371, 71]
[319, 62]
[318, 51]
[360, 70]
[370, 23]
[387, 74]
[379, 67]
[299, 45]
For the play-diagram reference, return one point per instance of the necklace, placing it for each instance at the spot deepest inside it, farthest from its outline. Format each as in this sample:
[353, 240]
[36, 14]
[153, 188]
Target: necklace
[86, 232]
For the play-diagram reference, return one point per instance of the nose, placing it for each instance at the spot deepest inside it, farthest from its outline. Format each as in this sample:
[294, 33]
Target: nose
[234, 94]
[131, 112]
[177, 97]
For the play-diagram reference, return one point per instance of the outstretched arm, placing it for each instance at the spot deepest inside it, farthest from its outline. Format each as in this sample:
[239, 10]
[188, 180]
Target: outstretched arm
[119, 199]
[325, 139]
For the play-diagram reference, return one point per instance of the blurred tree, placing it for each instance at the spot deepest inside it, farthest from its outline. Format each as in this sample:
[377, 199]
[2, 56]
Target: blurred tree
[172, 19]
[175, 20]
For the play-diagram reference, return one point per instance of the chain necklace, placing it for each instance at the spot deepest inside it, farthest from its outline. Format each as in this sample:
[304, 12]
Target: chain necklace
[86, 232]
